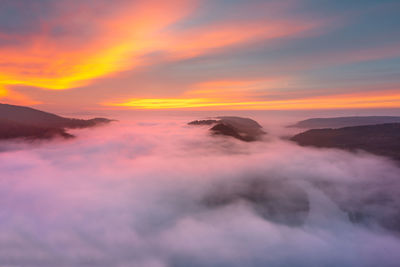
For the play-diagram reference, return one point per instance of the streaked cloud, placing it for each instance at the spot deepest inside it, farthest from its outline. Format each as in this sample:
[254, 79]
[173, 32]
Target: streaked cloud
[50, 62]
[121, 42]
[217, 51]
[389, 99]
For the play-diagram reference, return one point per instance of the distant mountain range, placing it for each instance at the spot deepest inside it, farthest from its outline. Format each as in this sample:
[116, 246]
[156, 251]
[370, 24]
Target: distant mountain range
[339, 122]
[25, 122]
[380, 139]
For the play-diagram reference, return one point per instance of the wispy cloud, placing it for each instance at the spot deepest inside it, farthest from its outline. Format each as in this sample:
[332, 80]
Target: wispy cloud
[120, 42]
[153, 49]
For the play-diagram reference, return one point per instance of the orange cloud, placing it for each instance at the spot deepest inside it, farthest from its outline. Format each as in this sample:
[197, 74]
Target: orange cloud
[119, 42]
[388, 99]
[15, 98]
[47, 62]
[235, 88]
[196, 41]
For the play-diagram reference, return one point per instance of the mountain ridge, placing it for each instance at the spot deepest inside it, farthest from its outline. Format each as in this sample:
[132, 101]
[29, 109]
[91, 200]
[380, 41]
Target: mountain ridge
[340, 122]
[29, 123]
[379, 139]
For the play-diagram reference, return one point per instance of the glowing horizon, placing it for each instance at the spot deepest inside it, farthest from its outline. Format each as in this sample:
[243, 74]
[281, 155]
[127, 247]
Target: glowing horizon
[391, 100]
[199, 54]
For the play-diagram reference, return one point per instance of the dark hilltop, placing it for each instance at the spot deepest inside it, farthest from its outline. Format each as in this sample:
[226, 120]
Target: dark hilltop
[29, 123]
[243, 129]
[380, 139]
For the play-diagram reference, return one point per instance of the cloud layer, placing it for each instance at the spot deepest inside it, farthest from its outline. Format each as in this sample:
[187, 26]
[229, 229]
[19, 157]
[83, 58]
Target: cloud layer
[135, 194]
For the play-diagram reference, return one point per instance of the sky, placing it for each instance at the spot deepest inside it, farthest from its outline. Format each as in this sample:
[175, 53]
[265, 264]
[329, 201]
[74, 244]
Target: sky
[200, 54]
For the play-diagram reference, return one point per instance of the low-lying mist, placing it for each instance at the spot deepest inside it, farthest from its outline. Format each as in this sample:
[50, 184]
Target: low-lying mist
[161, 193]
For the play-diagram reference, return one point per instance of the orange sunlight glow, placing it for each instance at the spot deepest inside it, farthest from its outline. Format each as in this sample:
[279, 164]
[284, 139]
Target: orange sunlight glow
[51, 65]
[235, 88]
[390, 99]
[15, 98]
[121, 42]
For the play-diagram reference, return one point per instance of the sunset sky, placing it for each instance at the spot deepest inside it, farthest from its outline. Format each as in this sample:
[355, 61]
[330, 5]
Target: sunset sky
[200, 54]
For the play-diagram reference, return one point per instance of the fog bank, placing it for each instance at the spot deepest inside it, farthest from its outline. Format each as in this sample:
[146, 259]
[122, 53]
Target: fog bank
[157, 192]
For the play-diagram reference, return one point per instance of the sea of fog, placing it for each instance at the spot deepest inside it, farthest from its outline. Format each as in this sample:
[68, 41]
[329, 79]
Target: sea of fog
[137, 193]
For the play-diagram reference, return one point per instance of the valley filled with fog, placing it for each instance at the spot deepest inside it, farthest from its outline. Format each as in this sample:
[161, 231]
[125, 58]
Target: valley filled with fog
[158, 192]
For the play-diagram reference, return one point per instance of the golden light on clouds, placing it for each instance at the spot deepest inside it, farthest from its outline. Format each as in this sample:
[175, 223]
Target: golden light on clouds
[15, 98]
[189, 57]
[390, 99]
[121, 43]
[48, 64]
[235, 88]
